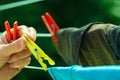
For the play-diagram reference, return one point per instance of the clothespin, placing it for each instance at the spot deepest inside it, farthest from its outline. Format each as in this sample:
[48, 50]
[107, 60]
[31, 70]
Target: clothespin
[11, 35]
[38, 53]
[51, 26]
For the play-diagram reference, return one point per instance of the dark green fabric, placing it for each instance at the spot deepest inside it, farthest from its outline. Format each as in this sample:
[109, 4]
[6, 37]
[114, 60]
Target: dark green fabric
[69, 41]
[95, 48]
[87, 45]
[114, 39]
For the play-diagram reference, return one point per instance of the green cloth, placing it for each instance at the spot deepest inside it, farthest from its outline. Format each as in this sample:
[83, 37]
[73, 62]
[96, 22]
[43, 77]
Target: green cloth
[114, 40]
[87, 46]
[95, 48]
[69, 41]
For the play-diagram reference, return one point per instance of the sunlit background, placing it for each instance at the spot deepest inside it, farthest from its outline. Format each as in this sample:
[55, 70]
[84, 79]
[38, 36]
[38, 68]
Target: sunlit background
[67, 13]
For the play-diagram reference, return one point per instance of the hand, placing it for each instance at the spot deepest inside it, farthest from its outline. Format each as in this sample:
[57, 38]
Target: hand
[15, 55]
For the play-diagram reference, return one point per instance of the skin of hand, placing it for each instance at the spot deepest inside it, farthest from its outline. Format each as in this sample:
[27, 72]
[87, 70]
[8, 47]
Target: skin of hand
[15, 55]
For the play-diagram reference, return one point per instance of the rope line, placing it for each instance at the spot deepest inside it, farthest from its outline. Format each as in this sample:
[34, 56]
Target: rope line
[34, 67]
[39, 34]
[17, 4]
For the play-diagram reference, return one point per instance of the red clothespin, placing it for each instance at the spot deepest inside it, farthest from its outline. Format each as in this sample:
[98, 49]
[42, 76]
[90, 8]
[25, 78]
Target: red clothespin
[51, 26]
[11, 35]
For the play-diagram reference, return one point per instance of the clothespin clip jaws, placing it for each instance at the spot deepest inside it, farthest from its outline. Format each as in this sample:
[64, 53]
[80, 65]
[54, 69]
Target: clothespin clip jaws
[51, 26]
[11, 35]
[38, 53]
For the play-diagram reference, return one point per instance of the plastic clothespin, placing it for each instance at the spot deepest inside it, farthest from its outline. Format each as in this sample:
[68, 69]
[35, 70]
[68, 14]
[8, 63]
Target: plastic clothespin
[11, 35]
[35, 50]
[38, 53]
[51, 26]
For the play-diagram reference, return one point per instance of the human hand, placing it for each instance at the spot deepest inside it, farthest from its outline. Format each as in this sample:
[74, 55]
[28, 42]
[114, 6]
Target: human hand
[15, 55]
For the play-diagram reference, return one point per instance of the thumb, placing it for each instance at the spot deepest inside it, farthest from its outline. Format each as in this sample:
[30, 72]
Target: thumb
[14, 47]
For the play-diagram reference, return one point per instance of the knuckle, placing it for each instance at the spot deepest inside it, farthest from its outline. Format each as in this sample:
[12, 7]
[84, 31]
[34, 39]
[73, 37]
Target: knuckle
[15, 57]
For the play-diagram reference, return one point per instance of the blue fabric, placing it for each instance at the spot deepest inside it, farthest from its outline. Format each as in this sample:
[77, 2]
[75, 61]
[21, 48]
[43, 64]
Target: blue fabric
[85, 73]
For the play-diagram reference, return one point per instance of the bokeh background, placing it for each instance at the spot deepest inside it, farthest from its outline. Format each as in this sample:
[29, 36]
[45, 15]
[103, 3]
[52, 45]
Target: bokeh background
[67, 13]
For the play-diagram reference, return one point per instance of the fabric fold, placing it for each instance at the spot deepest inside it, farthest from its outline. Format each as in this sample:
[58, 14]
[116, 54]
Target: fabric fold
[69, 41]
[114, 40]
[76, 72]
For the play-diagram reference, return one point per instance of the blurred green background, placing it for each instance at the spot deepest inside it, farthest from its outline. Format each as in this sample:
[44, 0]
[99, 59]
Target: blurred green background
[67, 13]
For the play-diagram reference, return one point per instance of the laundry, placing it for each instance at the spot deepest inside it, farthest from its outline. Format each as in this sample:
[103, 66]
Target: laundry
[114, 40]
[76, 72]
[90, 51]
[88, 45]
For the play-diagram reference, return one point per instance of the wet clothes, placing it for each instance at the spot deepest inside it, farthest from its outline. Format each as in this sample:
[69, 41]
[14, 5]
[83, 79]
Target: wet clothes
[89, 45]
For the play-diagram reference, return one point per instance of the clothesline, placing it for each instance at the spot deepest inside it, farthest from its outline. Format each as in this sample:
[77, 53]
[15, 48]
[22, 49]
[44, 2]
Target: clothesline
[34, 67]
[43, 35]
[40, 34]
[17, 4]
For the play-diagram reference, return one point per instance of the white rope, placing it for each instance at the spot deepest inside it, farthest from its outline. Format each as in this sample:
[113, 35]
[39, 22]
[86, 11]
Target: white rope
[40, 34]
[17, 4]
[33, 67]
[43, 35]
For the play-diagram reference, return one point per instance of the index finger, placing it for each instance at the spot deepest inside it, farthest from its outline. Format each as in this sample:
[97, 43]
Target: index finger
[30, 31]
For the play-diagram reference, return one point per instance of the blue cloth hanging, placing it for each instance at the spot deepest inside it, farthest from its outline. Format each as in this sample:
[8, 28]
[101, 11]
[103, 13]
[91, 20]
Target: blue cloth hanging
[76, 72]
